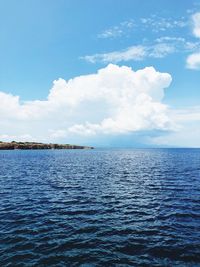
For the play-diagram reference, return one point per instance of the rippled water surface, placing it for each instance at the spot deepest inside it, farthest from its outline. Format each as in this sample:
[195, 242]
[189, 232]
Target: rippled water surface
[100, 207]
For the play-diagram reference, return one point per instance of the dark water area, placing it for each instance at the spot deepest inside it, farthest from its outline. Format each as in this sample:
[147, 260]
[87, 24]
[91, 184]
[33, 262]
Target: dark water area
[138, 207]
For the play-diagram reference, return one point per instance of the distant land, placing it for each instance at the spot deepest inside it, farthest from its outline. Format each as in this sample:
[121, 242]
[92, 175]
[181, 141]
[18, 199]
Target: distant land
[34, 145]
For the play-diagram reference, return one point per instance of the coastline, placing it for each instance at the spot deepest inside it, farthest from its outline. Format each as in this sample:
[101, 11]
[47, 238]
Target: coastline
[34, 145]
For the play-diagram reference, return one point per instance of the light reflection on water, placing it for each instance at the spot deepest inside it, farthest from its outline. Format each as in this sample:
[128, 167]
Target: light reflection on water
[100, 207]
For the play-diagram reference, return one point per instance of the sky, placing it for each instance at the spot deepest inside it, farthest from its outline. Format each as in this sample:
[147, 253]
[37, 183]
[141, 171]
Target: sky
[109, 73]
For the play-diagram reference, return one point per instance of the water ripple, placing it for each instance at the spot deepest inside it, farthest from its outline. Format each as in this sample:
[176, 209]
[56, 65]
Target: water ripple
[100, 208]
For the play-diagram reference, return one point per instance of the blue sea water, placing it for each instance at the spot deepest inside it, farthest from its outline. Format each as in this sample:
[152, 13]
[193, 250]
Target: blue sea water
[119, 207]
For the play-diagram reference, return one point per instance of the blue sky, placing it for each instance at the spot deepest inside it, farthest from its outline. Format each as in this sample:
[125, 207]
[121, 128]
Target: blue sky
[42, 41]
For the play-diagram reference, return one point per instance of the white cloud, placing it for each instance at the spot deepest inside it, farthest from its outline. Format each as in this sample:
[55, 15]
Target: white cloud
[58, 133]
[159, 47]
[115, 100]
[111, 33]
[23, 137]
[161, 24]
[189, 114]
[132, 53]
[117, 31]
[160, 50]
[196, 24]
[188, 132]
[193, 61]
[179, 44]
[154, 23]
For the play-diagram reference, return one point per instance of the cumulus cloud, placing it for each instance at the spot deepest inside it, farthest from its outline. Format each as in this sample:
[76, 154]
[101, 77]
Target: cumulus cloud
[193, 61]
[115, 100]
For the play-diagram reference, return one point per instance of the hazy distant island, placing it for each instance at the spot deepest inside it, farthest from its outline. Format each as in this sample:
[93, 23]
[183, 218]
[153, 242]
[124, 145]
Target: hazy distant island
[34, 145]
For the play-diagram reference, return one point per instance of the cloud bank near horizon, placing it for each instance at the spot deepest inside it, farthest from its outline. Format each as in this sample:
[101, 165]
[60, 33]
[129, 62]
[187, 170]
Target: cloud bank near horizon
[115, 100]
[116, 103]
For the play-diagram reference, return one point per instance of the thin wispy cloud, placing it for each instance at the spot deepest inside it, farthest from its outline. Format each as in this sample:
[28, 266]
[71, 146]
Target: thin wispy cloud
[135, 53]
[161, 48]
[153, 23]
[180, 44]
[117, 31]
[159, 24]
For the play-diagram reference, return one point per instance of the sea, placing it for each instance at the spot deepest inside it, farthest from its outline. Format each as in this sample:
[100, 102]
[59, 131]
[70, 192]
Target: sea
[101, 207]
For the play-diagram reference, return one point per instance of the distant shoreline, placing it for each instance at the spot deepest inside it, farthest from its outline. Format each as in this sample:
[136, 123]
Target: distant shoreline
[34, 145]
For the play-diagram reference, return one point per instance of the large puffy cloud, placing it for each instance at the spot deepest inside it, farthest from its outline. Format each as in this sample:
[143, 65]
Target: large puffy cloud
[115, 100]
